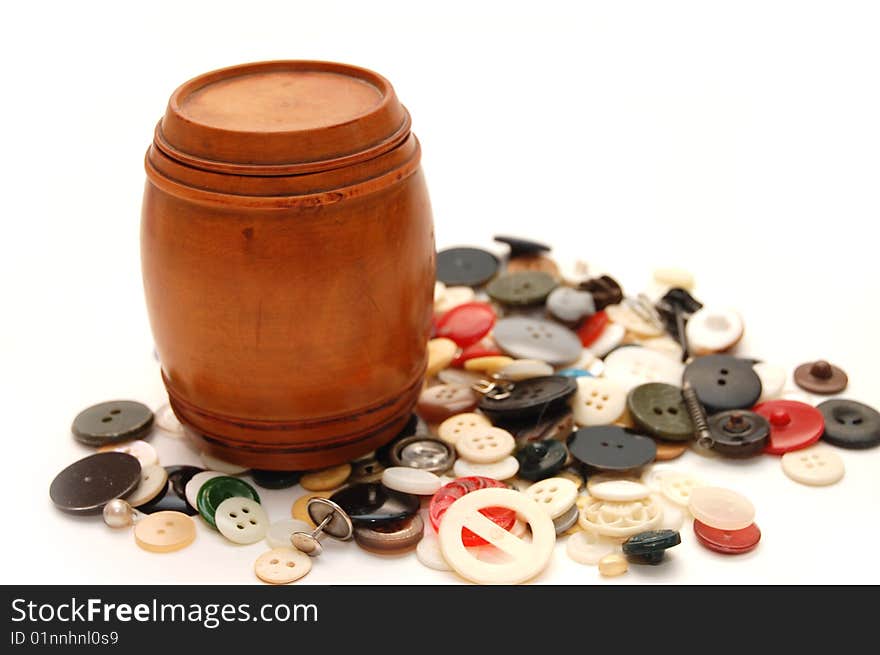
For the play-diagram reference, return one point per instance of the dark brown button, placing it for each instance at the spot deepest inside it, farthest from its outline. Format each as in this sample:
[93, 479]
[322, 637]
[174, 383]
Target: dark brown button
[112, 422]
[738, 433]
[820, 377]
[438, 403]
[395, 536]
[659, 410]
[86, 486]
[555, 426]
[529, 399]
[605, 289]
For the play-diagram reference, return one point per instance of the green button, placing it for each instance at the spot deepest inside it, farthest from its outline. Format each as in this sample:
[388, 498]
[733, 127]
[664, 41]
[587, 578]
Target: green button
[521, 288]
[216, 490]
[659, 410]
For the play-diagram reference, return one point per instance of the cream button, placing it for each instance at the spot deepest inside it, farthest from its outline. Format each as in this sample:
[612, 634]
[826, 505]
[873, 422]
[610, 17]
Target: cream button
[441, 352]
[636, 365]
[773, 380]
[588, 547]
[712, 330]
[439, 291]
[191, 491]
[524, 560]
[674, 277]
[721, 508]
[606, 488]
[611, 337]
[428, 553]
[574, 272]
[613, 565]
[241, 520]
[817, 466]
[459, 377]
[278, 534]
[598, 401]
[282, 565]
[620, 519]
[503, 470]
[143, 451]
[166, 421]
[410, 480]
[489, 365]
[326, 479]
[452, 428]
[525, 369]
[626, 316]
[485, 445]
[164, 532]
[677, 488]
[452, 297]
[154, 479]
[666, 345]
[554, 495]
[217, 464]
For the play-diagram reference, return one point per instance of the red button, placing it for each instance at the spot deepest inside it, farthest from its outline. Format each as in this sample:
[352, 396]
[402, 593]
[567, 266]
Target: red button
[592, 328]
[467, 323]
[483, 348]
[459, 487]
[793, 425]
[729, 542]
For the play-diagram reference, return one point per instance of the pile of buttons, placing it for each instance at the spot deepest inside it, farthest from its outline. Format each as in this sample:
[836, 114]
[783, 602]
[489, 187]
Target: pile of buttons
[549, 396]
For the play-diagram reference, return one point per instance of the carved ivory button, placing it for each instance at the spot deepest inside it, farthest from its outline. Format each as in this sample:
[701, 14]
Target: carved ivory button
[326, 479]
[143, 451]
[721, 508]
[410, 480]
[485, 445]
[241, 520]
[164, 532]
[282, 565]
[525, 560]
[588, 547]
[554, 495]
[817, 466]
[452, 428]
[620, 519]
[154, 479]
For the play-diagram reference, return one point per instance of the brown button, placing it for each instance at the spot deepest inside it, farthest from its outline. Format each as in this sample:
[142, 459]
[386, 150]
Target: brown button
[438, 403]
[667, 450]
[533, 263]
[605, 289]
[391, 537]
[820, 377]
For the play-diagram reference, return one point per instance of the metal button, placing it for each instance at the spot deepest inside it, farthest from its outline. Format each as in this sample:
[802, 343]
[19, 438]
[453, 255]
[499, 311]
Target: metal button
[423, 453]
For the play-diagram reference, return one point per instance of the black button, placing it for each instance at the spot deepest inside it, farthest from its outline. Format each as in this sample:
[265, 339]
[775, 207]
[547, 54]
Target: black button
[722, 382]
[275, 479]
[519, 247]
[605, 291]
[530, 398]
[739, 433]
[650, 547]
[86, 486]
[557, 426]
[611, 448]
[850, 424]
[173, 499]
[112, 422]
[541, 459]
[371, 503]
[469, 267]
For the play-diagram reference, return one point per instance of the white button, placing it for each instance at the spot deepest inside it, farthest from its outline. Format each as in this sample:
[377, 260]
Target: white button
[632, 366]
[554, 495]
[574, 272]
[191, 491]
[677, 488]
[570, 305]
[526, 560]
[167, 421]
[410, 480]
[282, 565]
[278, 534]
[653, 476]
[428, 553]
[217, 464]
[459, 377]
[520, 529]
[773, 380]
[502, 470]
[618, 490]
[453, 297]
[674, 277]
[241, 520]
[588, 547]
[673, 515]
[439, 290]
[721, 508]
[598, 401]
[143, 451]
[620, 519]
[164, 532]
[610, 338]
[817, 466]
[666, 345]
[712, 330]
[625, 316]
[525, 369]
[485, 445]
[453, 427]
[590, 363]
[154, 479]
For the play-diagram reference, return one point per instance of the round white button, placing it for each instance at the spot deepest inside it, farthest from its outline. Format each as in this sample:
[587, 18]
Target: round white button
[677, 487]
[525, 369]
[588, 547]
[608, 488]
[282, 565]
[167, 421]
[598, 401]
[620, 519]
[278, 534]
[817, 466]
[502, 470]
[428, 553]
[554, 495]
[452, 297]
[217, 464]
[624, 315]
[154, 478]
[453, 427]
[410, 480]
[634, 365]
[721, 508]
[484, 445]
[191, 491]
[772, 380]
[711, 330]
[143, 451]
[241, 520]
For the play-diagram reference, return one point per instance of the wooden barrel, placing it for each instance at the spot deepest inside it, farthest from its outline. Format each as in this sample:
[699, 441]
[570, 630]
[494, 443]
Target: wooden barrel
[288, 262]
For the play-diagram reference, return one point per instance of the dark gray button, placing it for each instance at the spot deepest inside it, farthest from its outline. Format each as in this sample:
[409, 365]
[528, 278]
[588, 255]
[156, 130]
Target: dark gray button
[738, 433]
[469, 267]
[541, 459]
[566, 520]
[530, 398]
[521, 288]
[520, 247]
[173, 499]
[372, 503]
[86, 486]
[611, 448]
[531, 338]
[850, 424]
[722, 382]
[112, 422]
[650, 547]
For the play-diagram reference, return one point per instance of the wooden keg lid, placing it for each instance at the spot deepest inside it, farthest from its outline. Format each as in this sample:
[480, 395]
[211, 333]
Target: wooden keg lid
[282, 118]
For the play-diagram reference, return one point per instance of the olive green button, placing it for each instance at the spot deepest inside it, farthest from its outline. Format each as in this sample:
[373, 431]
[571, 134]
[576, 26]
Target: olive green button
[216, 490]
[521, 288]
[659, 410]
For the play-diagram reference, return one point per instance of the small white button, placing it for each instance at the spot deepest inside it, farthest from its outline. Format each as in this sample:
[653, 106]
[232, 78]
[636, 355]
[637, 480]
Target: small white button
[217, 464]
[410, 480]
[191, 491]
[154, 478]
[143, 451]
[773, 380]
[713, 330]
[721, 508]
[241, 520]
[278, 534]
[817, 466]
[167, 421]
[502, 470]
[598, 401]
[485, 445]
[588, 547]
[554, 495]
[635, 365]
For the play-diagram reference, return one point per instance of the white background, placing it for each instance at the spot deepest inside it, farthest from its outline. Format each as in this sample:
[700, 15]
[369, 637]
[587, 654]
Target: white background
[739, 140]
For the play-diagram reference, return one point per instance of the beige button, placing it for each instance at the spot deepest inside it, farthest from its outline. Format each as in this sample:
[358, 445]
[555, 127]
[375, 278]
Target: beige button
[459, 377]
[439, 290]
[773, 379]
[282, 565]
[453, 427]
[712, 330]
[216, 464]
[721, 508]
[164, 532]
[489, 365]
[667, 450]
[167, 422]
[616, 489]
[817, 466]
[665, 344]
[485, 445]
[625, 316]
[525, 369]
[452, 297]
[674, 277]
[326, 479]
[154, 478]
[554, 495]
[441, 352]
[598, 401]
[588, 547]
[501, 470]
[620, 519]
[299, 511]
[677, 488]
[613, 565]
[143, 451]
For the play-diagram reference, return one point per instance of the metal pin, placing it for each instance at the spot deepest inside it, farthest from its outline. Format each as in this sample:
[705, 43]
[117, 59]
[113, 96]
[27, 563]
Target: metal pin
[698, 416]
[330, 519]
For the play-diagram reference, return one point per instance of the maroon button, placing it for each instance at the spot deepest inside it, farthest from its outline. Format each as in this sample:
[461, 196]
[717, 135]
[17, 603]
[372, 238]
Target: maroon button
[467, 323]
[438, 403]
[592, 328]
[486, 347]
[793, 425]
[729, 542]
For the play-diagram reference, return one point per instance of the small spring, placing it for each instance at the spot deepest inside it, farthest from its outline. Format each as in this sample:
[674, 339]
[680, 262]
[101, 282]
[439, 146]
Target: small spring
[698, 416]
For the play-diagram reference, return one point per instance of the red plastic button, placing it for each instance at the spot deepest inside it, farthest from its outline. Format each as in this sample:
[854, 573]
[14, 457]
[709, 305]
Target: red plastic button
[793, 425]
[459, 487]
[467, 323]
[484, 348]
[592, 328]
[729, 542]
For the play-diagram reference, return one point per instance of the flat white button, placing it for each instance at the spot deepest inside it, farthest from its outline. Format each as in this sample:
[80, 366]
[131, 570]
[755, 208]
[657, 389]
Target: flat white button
[634, 365]
[674, 277]
[485, 445]
[817, 466]
[453, 297]
[588, 547]
[666, 345]
[453, 427]
[620, 519]
[502, 470]
[143, 451]
[712, 330]
[154, 478]
[241, 520]
[282, 565]
[554, 495]
[598, 401]
[525, 369]
[626, 316]
[191, 491]
[428, 553]
[677, 488]
[167, 422]
[574, 271]
[721, 508]
[459, 377]
[773, 380]
[278, 534]
[217, 464]
[610, 338]
[526, 560]
[164, 532]
[618, 490]
[410, 480]
[653, 476]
